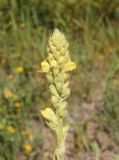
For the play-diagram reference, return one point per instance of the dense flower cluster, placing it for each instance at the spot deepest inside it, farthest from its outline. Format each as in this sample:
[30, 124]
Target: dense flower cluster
[57, 67]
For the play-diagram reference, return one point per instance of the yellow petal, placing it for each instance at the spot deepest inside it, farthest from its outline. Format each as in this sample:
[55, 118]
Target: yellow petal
[70, 66]
[49, 114]
[45, 67]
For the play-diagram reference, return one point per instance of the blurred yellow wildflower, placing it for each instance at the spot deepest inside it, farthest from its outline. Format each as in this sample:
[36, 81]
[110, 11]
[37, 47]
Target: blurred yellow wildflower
[11, 129]
[69, 66]
[27, 133]
[10, 77]
[18, 105]
[49, 114]
[28, 148]
[7, 92]
[1, 126]
[116, 81]
[19, 69]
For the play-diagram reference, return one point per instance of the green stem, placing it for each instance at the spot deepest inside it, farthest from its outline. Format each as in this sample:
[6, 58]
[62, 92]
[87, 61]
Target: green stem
[59, 133]
[59, 152]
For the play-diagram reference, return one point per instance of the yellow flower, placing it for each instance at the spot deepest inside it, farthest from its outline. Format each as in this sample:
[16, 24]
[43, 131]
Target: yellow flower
[18, 105]
[19, 69]
[11, 129]
[69, 66]
[1, 126]
[7, 93]
[27, 133]
[45, 67]
[28, 148]
[49, 115]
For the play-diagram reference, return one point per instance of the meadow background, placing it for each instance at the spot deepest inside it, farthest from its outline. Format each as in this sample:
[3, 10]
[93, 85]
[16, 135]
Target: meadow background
[92, 28]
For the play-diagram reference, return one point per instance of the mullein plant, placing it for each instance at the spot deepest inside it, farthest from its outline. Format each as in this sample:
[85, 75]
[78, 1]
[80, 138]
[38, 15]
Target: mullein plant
[57, 66]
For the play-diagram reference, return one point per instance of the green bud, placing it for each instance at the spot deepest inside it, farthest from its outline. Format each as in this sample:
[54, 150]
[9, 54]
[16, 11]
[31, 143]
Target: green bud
[66, 93]
[55, 101]
[53, 49]
[50, 77]
[64, 105]
[50, 57]
[59, 86]
[66, 85]
[55, 72]
[66, 77]
[53, 90]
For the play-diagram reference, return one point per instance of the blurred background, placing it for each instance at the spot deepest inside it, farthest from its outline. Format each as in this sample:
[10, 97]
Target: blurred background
[92, 28]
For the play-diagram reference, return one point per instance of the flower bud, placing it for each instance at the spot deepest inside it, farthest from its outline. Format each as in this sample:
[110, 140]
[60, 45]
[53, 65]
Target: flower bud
[66, 85]
[61, 60]
[50, 77]
[53, 63]
[66, 76]
[66, 93]
[56, 72]
[58, 40]
[53, 90]
[59, 86]
[64, 105]
[50, 57]
[53, 49]
[55, 101]
[49, 115]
